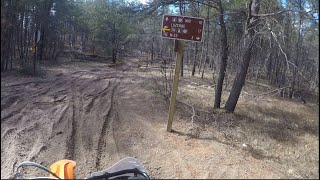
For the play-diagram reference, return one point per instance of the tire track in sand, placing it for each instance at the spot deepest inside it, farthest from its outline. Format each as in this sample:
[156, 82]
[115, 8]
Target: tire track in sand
[106, 129]
[75, 142]
[70, 143]
[103, 92]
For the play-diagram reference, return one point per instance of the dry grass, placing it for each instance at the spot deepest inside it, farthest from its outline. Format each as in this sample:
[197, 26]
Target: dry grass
[285, 132]
[288, 131]
[267, 137]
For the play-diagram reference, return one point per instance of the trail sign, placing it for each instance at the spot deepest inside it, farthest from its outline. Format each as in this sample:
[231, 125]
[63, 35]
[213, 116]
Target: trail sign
[182, 27]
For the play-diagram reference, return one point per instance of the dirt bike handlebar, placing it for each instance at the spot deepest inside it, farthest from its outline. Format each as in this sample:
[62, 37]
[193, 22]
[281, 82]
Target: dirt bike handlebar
[28, 163]
[107, 175]
[104, 175]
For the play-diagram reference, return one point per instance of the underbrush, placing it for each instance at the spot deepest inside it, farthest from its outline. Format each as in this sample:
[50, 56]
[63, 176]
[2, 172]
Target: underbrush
[264, 126]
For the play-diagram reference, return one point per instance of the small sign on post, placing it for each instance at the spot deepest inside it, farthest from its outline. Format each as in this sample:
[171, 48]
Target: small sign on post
[180, 28]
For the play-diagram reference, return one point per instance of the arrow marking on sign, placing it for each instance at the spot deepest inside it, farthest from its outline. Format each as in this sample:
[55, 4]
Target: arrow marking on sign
[165, 29]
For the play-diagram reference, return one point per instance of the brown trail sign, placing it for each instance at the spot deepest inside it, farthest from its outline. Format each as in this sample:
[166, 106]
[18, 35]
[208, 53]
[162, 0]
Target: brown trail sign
[180, 28]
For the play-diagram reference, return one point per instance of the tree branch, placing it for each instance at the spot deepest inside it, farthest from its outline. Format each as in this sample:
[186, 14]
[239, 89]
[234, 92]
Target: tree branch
[270, 14]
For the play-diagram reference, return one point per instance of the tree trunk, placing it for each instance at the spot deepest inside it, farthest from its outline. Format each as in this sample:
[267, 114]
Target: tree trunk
[181, 72]
[208, 37]
[194, 12]
[35, 51]
[114, 53]
[41, 45]
[54, 50]
[25, 43]
[8, 50]
[83, 42]
[213, 64]
[223, 56]
[21, 38]
[270, 59]
[298, 52]
[152, 50]
[254, 6]
[194, 60]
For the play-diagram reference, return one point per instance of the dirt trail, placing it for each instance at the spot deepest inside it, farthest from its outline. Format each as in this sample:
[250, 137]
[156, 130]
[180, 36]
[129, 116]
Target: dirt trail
[96, 115]
[68, 114]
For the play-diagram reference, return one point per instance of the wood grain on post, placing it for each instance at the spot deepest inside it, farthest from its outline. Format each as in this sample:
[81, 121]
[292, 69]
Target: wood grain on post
[172, 107]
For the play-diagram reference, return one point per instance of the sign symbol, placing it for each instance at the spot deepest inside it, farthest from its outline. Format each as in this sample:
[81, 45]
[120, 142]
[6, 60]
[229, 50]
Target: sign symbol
[197, 38]
[174, 19]
[34, 47]
[167, 18]
[180, 20]
[200, 22]
[164, 29]
[185, 31]
[179, 30]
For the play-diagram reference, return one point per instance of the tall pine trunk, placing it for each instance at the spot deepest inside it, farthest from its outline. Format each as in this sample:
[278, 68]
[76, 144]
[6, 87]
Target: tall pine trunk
[249, 40]
[223, 56]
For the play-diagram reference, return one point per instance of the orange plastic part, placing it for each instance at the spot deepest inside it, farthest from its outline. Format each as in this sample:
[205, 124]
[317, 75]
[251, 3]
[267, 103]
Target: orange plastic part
[63, 169]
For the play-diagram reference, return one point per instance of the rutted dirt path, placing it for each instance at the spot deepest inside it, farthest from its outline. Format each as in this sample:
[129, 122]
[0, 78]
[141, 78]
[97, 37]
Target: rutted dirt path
[96, 115]
[67, 114]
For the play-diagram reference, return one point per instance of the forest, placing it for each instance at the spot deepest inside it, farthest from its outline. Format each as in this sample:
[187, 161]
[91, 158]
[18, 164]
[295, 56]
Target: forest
[256, 70]
[280, 36]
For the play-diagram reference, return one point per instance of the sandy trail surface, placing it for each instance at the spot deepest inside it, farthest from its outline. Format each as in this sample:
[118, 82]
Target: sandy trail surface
[96, 114]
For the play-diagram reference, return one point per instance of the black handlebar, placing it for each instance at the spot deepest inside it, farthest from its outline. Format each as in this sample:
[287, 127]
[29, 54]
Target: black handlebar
[107, 175]
[96, 175]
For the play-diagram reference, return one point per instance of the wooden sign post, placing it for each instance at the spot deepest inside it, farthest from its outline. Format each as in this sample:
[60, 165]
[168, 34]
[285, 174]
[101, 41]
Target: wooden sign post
[172, 107]
[180, 28]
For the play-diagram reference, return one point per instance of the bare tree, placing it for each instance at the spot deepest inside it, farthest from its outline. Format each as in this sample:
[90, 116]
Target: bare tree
[249, 40]
[223, 55]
